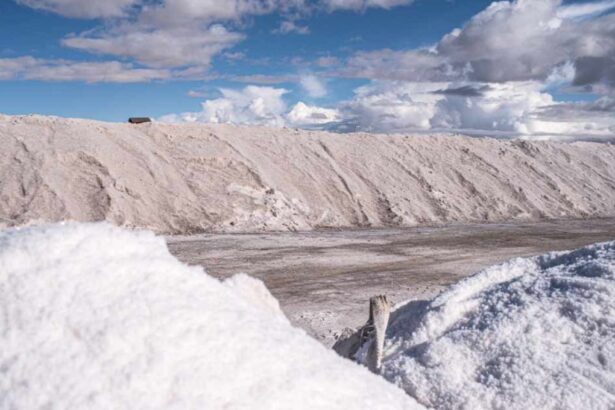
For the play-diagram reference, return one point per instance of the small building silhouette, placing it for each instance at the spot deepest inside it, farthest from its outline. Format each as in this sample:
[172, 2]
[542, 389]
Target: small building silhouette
[139, 120]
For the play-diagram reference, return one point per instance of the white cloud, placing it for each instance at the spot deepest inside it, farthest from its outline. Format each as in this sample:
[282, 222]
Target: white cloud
[30, 68]
[166, 34]
[358, 5]
[390, 107]
[181, 33]
[494, 74]
[83, 8]
[305, 116]
[11, 68]
[166, 11]
[589, 120]
[250, 105]
[313, 86]
[234, 56]
[500, 108]
[196, 94]
[173, 12]
[584, 10]
[287, 27]
[258, 106]
[522, 40]
[262, 78]
[170, 47]
[413, 65]
[497, 109]
[491, 75]
[175, 33]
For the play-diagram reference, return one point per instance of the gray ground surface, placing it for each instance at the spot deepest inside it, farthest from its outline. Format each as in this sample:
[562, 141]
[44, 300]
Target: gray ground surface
[323, 279]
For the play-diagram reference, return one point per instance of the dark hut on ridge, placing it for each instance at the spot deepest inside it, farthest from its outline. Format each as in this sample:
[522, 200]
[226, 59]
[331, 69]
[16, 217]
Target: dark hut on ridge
[139, 120]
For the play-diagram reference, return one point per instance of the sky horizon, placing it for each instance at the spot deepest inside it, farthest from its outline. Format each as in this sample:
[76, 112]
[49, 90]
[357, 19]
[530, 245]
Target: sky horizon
[531, 68]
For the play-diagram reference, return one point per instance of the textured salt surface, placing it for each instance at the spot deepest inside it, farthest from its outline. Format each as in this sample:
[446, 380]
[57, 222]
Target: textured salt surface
[536, 333]
[95, 317]
[188, 178]
[323, 279]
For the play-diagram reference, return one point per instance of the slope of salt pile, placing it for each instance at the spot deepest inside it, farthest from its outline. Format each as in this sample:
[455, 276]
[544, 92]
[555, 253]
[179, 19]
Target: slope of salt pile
[97, 317]
[535, 333]
[189, 178]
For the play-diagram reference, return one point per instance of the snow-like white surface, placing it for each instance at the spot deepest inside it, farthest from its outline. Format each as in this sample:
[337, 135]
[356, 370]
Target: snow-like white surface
[92, 316]
[535, 333]
[217, 177]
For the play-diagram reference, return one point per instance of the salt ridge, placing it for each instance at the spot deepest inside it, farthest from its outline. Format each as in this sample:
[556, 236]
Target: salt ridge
[192, 178]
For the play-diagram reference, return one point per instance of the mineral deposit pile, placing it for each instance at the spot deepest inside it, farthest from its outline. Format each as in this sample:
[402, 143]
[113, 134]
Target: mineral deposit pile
[193, 178]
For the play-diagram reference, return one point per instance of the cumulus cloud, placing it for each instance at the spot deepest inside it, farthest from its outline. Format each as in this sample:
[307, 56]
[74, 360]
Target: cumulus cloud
[490, 77]
[523, 40]
[493, 74]
[595, 70]
[257, 105]
[30, 68]
[390, 107]
[250, 105]
[506, 108]
[83, 8]
[500, 109]
[313, 86]
[308, 116]
[412, 65]
[587, 120]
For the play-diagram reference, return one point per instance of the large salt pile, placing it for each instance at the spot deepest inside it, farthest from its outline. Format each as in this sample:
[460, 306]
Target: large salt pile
[93, 316]
[217, 177]
[534, 333]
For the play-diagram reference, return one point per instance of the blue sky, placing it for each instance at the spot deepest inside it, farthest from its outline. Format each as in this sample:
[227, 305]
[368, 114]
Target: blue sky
[540, 68]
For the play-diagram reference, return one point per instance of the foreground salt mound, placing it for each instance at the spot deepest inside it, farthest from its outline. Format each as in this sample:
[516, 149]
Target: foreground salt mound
[93, 316]
[216, 177]
[534, 333]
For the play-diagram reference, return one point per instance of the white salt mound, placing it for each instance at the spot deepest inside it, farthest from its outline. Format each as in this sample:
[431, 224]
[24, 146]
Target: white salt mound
[534, 333]
[95, 317]
[216, 177]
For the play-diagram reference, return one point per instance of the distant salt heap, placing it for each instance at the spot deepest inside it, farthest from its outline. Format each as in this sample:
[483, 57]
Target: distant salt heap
[191, 178]
[534, 333]
[95, 317]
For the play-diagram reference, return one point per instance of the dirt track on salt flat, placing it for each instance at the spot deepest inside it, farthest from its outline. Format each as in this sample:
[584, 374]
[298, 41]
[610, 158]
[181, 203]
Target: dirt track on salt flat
[323, 279]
